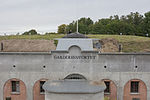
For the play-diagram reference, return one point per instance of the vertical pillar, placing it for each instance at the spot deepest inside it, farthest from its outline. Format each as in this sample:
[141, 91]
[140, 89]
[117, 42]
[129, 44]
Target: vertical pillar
[2, 46]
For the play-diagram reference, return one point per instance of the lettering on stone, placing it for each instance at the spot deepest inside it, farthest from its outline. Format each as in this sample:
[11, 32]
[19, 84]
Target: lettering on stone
[74, 57]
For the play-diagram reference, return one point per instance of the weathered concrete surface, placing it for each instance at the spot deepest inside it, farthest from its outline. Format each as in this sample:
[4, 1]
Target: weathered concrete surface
[72, 89]
[99, 96]
[84, 44]
[74, 86]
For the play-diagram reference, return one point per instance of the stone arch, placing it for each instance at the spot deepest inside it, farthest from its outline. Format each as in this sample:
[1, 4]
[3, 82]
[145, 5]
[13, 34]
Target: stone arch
[18, 95]
[37, 95]
[142, 93]
[75, 76]
[112, 95]
[74, 49]
[74, 46]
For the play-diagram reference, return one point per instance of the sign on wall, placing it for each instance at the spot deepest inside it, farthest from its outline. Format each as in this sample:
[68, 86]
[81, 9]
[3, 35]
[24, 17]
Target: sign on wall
[73, 57]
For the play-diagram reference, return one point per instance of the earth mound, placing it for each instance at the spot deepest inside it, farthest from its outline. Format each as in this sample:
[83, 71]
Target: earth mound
[108, 45]
[16, 45]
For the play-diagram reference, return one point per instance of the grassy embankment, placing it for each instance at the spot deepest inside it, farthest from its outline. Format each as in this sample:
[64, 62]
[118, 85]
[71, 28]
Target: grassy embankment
[130, 43]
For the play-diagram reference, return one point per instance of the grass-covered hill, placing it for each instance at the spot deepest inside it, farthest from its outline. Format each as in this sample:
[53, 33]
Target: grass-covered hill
[129, 43]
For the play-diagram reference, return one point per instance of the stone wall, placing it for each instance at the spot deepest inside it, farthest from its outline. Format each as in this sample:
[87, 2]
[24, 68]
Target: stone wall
[31, 67]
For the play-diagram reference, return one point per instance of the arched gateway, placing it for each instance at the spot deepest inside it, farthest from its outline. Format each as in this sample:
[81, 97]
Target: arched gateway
[14, 89]
[135, 89]
[38, 91]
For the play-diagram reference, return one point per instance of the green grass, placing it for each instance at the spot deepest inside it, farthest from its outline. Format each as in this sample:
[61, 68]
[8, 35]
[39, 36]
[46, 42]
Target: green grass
[46, 37]
[130, 43]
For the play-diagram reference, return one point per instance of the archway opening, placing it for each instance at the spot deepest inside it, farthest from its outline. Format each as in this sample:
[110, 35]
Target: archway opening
[75, 77]
[14, 89]
[110, 93]
[135, 89]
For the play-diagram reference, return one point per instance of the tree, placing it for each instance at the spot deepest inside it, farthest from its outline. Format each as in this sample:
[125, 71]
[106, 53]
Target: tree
[31, 32]
[62, 29]
[147, 23]
[131, 24]
[98, 28]
[84, 26]
[135, 20]
[71, 28]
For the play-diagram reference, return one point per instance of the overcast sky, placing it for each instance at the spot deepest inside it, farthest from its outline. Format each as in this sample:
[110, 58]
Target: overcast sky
[45, 15]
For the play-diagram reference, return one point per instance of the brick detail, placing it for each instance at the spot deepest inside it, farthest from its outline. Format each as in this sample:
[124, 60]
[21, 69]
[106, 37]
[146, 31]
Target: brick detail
[113, 91]
[142, 91]
[36, 91]
[7, 90]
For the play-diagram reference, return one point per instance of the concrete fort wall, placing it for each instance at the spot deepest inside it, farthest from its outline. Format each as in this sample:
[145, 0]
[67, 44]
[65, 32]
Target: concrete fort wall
[31, 67]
